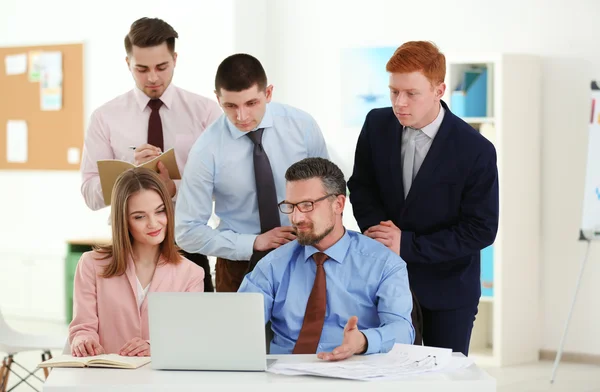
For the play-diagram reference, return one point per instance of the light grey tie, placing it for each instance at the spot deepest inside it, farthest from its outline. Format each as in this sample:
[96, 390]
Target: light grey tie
[409, 161]
[421, 139]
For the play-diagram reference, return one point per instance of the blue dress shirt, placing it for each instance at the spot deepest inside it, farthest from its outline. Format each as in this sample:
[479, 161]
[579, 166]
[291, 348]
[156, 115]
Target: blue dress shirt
[221, 166]
[364, 279]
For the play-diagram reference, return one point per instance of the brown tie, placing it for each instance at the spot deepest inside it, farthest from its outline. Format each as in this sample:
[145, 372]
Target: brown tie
[314, 316]
[155, 131]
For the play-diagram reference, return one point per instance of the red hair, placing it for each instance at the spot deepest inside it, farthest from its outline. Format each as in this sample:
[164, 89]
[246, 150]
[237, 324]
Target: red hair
[419, 56]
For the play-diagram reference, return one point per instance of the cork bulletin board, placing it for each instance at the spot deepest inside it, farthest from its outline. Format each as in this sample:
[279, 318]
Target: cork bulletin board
[54, 138]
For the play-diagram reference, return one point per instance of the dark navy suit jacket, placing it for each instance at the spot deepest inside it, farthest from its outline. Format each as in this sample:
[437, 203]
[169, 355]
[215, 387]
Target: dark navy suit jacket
[450, 213]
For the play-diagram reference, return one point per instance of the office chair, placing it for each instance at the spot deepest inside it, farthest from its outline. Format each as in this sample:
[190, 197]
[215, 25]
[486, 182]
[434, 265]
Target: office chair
[13, 342]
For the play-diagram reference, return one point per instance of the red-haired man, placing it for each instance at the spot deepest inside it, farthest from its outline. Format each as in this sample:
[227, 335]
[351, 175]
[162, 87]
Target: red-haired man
[425, 184]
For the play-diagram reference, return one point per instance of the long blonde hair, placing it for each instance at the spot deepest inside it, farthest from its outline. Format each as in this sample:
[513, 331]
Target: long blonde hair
[126, 185]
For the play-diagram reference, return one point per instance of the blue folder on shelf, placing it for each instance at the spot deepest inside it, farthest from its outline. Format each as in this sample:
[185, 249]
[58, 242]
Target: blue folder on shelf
[470, 97]
[487, 271]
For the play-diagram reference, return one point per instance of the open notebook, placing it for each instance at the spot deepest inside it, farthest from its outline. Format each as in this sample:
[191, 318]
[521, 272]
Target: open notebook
[104, 360]
[110, 169]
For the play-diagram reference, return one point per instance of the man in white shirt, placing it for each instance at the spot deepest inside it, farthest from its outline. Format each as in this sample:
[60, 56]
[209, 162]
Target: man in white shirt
[149, 119]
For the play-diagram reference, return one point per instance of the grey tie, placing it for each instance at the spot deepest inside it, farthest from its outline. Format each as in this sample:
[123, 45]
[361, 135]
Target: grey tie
[421, 139]
[409, 161]
[265, 185]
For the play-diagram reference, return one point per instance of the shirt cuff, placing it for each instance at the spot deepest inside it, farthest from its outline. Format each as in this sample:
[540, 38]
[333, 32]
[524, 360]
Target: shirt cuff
[373, 341]
[245, 246]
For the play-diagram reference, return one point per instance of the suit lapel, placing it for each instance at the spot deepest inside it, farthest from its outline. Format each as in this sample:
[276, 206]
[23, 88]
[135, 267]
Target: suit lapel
[131, 276]
[434, 157]
[161, 271]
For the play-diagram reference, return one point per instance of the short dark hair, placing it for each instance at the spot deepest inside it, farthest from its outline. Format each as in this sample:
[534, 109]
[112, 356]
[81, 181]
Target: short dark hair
[148, 32]
[239, 72]
[330, 174]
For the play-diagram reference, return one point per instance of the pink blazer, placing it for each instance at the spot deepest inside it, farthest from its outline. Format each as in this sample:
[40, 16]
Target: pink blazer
[107, 309]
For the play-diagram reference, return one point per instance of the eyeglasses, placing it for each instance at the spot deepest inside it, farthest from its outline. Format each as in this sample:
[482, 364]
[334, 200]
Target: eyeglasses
[303, 206]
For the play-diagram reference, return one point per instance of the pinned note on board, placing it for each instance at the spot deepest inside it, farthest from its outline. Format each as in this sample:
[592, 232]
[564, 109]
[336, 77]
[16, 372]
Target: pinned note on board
[51, 81]
[35, 65]
[15, 64]
[16, 141]
[73, 154]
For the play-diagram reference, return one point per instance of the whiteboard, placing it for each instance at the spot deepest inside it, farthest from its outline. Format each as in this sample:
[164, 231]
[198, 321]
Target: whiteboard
[590, 221]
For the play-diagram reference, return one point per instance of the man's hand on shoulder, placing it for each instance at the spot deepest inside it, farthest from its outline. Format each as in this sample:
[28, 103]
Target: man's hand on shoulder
[388, 234]
[274, 238]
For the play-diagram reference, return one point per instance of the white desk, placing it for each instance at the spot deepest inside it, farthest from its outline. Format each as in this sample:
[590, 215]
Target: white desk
[145, 379]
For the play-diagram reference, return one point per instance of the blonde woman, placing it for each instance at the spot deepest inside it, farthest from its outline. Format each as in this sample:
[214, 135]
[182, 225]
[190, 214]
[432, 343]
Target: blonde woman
[110, 311]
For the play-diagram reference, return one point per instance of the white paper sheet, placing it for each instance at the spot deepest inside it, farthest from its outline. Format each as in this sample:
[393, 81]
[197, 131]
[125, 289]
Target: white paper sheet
[457, 363]
[402, 361]
[16, 64]
[16, 141]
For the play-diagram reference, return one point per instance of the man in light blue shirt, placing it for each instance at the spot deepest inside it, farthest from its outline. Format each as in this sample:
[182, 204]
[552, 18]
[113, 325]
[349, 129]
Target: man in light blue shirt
[221, 166]
[365, 297]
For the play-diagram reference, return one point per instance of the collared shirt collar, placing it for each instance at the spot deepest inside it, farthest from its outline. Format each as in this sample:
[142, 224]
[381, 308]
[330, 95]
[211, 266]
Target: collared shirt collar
[336, 252]
[266, 122]
[142, 99]
[432, 128]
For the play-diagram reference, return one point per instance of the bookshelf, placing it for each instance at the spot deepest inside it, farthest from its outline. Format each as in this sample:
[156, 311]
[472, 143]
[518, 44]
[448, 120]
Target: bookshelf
[479, 120]
[507, 326]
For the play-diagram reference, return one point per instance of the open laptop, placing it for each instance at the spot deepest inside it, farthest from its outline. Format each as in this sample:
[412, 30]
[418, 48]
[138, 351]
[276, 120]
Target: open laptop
[207, 331]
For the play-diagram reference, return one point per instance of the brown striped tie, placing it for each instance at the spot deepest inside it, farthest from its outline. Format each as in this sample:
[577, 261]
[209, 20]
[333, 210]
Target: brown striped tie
[314, 316]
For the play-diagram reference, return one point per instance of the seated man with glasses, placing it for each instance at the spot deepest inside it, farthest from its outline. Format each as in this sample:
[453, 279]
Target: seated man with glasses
[332, 291]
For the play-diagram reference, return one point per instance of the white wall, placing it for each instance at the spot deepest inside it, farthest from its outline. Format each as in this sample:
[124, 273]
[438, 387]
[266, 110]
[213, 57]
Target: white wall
[41, 210]
[308, 35]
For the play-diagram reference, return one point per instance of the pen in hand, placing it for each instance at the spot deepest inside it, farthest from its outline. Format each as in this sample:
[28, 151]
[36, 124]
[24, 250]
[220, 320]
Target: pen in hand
[134, 148]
